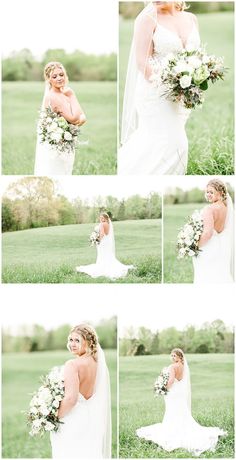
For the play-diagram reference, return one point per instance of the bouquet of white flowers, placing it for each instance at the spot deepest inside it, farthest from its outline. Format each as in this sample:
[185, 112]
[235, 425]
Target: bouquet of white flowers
[56, 131]
[186, 74]
[160, 385]
[95, 237]
[189, 235]
[42, 414]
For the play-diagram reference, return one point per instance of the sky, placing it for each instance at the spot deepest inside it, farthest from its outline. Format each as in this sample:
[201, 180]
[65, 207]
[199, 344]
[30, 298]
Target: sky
[87, 187]
[87, 25]
[152, 306]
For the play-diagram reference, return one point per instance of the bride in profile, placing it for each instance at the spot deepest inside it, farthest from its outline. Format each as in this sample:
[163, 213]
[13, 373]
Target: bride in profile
[106, 264]
[85, 411]
[62, 100]
[153, 134]
[214, 264]
[178, 428]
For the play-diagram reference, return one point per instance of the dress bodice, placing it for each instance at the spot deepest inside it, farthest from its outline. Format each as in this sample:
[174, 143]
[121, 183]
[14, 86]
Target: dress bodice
[166, 41]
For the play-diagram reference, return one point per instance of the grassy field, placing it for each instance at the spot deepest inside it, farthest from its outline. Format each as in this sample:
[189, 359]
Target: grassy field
[175, 216]
[21, 374]
[21, 102]
[210, 129]
[212, 402]
[50, 255]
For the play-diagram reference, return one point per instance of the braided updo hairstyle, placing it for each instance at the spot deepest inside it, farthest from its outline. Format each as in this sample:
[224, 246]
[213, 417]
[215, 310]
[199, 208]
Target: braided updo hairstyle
[179, 353]
[219, 186]
[89, 335]
[51, 66]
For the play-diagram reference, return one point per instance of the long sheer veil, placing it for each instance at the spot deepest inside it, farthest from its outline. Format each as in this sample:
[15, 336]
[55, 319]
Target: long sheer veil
[102, 394]
[229, 231]
[112, 237]
[187, 383]
[129, 115]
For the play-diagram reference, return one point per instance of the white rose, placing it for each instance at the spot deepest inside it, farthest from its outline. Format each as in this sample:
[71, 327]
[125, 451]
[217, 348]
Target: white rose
[49, 426]
[56, 137]
[49, 120]
[194, 62]
[56, 403]
[33, 410]
[191, 253]
[182, 66]
[44, 410]
[36, 423]
[185, 81]
[67, 136]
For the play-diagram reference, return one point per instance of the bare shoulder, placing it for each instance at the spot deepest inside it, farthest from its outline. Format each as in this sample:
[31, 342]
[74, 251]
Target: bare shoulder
[147, 20]
[71, 363]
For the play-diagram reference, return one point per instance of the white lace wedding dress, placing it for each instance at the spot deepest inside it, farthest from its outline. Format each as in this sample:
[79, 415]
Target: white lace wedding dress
[215, 262]
[106, 264]
[178, 428]
[86, 429]
[153, 135]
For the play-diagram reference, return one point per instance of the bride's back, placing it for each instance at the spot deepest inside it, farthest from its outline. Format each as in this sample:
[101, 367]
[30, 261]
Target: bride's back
[219, 213]
[179, 370]
[87, 370]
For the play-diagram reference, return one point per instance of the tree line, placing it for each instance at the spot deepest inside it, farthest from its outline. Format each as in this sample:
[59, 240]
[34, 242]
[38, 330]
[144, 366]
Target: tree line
[129, 10]
[36, 338]
[196, 195]
[23, 66]
[33, 202]
[212, 337]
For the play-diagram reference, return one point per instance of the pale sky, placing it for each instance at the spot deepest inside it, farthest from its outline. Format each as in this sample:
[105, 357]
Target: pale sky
[152, 306]
[87, 187]
[88, 25]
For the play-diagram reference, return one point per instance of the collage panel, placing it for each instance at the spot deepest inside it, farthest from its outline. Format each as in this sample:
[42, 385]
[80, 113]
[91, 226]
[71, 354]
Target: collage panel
[81, 230]
[173, 120]
[59, 103]
[176, 375]
[199, 230]
[41, 354]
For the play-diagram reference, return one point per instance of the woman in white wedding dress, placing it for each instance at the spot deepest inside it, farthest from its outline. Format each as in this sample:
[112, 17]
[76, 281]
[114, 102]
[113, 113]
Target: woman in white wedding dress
[178, 428]
[61, 99]
[85, 410]
[153, 133]
[215, 262]
[106, 263]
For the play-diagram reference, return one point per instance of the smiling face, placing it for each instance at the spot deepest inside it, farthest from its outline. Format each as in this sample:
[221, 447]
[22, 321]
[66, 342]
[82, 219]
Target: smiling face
[212, 195]
[174, 357]
[76, 344]
[57, 78]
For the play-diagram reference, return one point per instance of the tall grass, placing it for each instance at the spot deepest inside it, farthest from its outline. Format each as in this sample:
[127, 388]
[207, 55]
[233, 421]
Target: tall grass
[21, 103]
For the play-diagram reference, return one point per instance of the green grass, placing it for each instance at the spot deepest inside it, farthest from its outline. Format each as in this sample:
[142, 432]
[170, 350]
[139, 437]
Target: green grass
[210, 130]
[212, 402]
[175, 270]
[50, 255]
[21, 102]
[21, 377]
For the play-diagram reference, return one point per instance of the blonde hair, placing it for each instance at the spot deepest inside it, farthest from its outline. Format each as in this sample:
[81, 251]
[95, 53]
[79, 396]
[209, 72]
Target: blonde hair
[219, 186]
[179, 353]
[51, 66]
[105, 215]
[179, 6]
[89, 334]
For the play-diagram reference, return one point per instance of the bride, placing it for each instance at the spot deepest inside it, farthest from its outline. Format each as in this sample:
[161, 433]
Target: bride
[106, 263]
[214, 264]
[61, 99]
[179, 429]
[85, 410]
[153, 134]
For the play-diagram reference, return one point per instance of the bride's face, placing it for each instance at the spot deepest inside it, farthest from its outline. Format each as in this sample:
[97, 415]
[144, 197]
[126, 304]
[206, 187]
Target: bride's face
[102, 219]
[76, 344]
[174, 358]
[212, 195]
[57, 78]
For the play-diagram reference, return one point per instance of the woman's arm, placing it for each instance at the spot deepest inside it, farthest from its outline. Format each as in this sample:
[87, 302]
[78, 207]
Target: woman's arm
[208, 226]
[171, 377]
[71, 379]
[72, 112]
[143, 34]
